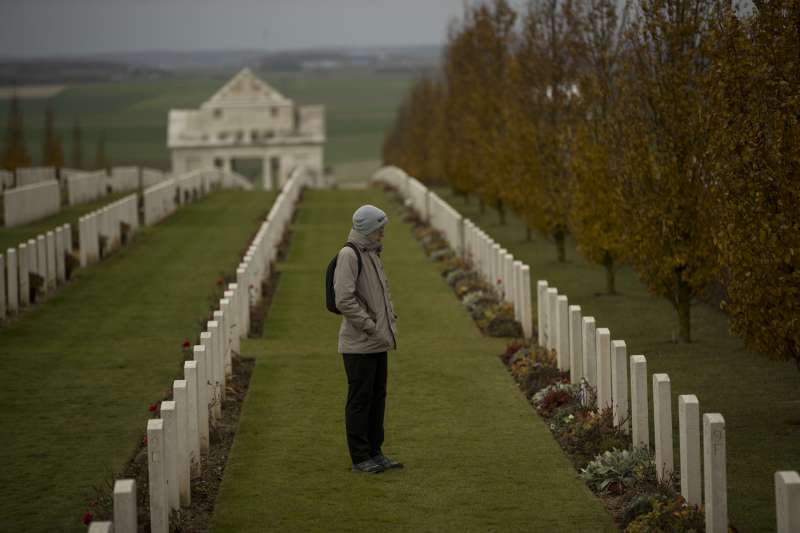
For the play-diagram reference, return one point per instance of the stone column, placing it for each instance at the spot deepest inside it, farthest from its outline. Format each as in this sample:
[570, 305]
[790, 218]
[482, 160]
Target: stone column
[552, 314]
[61, 275]
[604, 400]
[159, 503]
[589, 350]
[51, 260]
[180, 395]
[689, 437]
[787, 501]
[714, 466]
[527, 307]
[619, 384]
[12, 280]
[169, 414]
[192, 416]
[662, 424]
[23, 257]
[562, 332]
[575, 344]
[541, 311]
[125, 514]
[639, 403]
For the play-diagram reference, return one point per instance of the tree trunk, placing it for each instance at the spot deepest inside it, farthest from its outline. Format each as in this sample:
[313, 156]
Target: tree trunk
[528, 234]
[684, 310]
[501, 212]
[608, 263]
[560, 237]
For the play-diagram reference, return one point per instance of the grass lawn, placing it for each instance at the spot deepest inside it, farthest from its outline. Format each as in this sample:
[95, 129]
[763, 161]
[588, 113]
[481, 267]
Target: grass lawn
[477, 456]
[77, 373]
[359, 108]
[759, 398]
[12, 237]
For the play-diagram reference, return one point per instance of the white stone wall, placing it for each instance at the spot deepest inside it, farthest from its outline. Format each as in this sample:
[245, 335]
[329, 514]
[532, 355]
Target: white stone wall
[124, 179]
[86, 187]
[6, 179]
[30, 203]
[32, 175]
[151, 176]
[159, 201]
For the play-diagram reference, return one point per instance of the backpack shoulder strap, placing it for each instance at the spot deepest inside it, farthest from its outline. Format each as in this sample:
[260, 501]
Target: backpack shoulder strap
[358, 255]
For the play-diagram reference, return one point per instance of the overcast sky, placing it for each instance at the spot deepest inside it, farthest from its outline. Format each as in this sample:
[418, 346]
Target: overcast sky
[66, 27]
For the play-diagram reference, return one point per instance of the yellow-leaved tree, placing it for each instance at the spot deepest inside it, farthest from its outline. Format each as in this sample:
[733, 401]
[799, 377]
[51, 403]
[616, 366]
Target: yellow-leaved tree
[756, 151]
[663, 176]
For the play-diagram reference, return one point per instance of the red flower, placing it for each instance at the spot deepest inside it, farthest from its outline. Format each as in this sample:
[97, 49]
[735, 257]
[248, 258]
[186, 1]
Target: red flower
[186, 344]
[153, 407]
[87, 518]
[144, 440]
[499, 281]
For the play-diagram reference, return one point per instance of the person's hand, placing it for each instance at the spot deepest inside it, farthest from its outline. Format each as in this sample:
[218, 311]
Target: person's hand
[370, 328]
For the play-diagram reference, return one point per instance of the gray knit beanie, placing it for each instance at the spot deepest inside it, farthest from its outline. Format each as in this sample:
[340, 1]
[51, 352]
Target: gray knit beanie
[368, 218]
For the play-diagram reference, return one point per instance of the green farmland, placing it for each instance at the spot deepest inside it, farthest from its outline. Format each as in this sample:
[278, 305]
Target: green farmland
[133, 116]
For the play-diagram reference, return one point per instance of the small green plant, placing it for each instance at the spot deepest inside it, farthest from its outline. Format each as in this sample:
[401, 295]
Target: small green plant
[669, 516]
[616, 470]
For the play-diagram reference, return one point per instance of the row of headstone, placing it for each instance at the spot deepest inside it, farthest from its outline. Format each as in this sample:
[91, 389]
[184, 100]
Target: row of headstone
[595, 360]
[101, 232]
[510, 277]
[33, 175]
[33, 270]
[22, 205]
[85, 187]
[178, 440]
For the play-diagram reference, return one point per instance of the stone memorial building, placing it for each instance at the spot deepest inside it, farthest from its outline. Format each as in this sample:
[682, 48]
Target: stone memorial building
[248, 123]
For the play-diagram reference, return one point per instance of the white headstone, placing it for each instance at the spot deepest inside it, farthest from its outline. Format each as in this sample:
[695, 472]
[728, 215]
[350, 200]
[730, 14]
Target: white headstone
[41, 262]
[619, 384]
[590, 350]
[244, 301]
[12, 280]
[575, 344]
[552, 313]
[101, 527]
[68, 238]
[223, 345]
[689, 435]
[202, 396]
[787, 501]
[211, 388]
[125, 517]
[23, 256]
[51, 260]
[169, 414]
[61, 275]
[3, 298]
[159, 503]
[193, 431]
[639, 403]
[604, 400]
[662, 424]
[179, 394]
[83, 241]
[216, 365]
[541, 311]
[527, 306]
[714, 473]
[562, 332]
[234, 297]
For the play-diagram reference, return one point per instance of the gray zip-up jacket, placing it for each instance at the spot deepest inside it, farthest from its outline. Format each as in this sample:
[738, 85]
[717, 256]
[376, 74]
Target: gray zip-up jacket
[369, 323]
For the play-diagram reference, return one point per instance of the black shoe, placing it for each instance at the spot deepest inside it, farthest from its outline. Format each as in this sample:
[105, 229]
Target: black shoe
[368, 467]
[386, 463]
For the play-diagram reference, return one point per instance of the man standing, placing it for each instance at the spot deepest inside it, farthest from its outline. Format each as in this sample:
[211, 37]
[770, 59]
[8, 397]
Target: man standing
[367, 332]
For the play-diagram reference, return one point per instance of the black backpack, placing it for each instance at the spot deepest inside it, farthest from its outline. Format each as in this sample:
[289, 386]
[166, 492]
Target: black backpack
[330, 296]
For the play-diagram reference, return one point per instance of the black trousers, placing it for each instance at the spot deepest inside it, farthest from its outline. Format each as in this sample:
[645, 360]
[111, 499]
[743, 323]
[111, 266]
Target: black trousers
[366, 403]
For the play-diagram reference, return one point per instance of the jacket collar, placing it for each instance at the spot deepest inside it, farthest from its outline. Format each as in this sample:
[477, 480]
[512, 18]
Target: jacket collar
[363, 243]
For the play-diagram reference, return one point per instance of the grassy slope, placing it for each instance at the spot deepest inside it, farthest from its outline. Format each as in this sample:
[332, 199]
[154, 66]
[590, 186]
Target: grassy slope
[77, 374]
[12, 237]
[759, 398]
[133, 115]
[477, 456]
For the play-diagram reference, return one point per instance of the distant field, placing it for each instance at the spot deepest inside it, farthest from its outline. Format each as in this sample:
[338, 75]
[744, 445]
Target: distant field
[360, 106]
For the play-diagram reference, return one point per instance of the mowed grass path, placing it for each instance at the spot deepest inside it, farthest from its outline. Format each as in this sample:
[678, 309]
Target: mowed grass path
[77, 373]
[13, 237]
[759, 398]
[478, 457]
